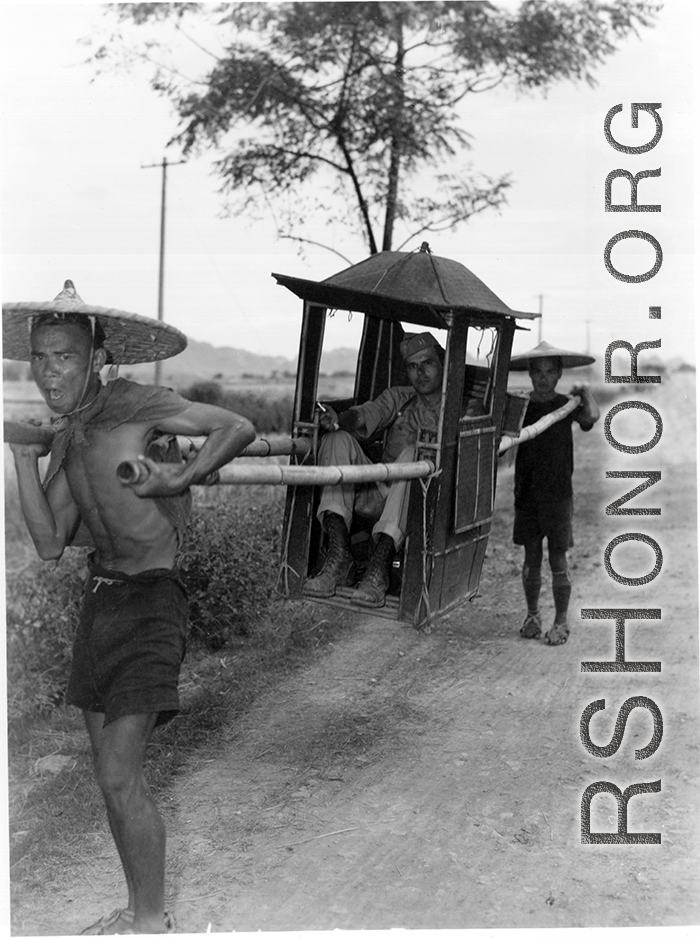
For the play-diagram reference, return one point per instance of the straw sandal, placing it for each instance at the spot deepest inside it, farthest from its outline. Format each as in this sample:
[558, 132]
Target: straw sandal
[532, 626]
[121, 921]
[558, 634]
[118, 922]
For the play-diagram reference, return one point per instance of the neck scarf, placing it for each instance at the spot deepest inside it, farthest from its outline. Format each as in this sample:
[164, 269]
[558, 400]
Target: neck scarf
[117, 403]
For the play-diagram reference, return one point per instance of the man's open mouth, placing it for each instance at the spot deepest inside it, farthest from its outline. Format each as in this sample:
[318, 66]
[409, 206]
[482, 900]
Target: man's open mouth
[53, 394]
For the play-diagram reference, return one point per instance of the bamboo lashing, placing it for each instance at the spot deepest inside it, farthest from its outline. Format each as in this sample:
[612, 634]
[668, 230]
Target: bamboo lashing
[534, 429]
[131, 472]
[288, 446]
[298, 446]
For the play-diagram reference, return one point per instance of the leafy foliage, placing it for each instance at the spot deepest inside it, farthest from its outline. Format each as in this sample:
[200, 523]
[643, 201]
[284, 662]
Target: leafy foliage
[354, 99]
[229, 563]
[42, 607]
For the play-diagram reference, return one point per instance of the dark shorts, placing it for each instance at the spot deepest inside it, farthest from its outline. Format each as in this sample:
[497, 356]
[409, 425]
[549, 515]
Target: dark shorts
[553, 520]
[129, 645]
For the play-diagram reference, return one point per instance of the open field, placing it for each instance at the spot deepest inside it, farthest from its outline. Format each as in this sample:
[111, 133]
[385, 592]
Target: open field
[21, 398]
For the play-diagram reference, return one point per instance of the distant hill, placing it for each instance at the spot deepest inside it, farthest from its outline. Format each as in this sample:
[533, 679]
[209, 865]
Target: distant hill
[204, 362]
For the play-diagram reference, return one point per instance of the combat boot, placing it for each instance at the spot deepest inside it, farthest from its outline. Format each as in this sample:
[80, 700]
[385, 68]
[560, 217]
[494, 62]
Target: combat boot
[339, 567]
[371, 591]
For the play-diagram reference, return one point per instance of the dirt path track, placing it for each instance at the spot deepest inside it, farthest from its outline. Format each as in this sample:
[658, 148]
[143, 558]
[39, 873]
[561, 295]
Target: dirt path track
[453, 769]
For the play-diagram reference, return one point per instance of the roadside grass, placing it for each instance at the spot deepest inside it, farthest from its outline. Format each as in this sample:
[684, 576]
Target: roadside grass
[243, 639]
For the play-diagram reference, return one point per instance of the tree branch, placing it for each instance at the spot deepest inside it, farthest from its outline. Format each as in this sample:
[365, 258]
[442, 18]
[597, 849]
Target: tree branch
[318, 244]
[196, 44]
[372, 99]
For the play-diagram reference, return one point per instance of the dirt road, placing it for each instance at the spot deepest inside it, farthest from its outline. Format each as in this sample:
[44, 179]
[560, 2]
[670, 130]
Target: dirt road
[410, 780]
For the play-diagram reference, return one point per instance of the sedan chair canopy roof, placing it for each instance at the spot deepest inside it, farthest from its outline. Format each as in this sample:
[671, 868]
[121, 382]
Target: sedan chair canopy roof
[416, 287]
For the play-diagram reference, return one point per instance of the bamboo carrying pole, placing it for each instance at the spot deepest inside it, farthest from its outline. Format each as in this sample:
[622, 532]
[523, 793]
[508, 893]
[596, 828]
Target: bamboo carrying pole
[132, 472]
[26, 432]
[528, 433]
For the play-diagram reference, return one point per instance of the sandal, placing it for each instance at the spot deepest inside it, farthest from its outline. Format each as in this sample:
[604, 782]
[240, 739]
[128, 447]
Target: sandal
[121, 921]
[531, 627]
[558, 634]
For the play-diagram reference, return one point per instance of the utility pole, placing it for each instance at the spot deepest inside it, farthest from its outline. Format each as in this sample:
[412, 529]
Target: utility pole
[161, 267]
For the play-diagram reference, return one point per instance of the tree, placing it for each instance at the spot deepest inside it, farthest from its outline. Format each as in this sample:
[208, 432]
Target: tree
[357, 99]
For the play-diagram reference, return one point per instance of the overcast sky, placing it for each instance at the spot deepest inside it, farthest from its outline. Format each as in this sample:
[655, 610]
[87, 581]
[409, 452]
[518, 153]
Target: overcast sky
[77, 203]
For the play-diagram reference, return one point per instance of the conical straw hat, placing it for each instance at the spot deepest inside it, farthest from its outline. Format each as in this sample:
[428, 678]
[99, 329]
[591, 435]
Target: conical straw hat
[129, 338]
[521, 362]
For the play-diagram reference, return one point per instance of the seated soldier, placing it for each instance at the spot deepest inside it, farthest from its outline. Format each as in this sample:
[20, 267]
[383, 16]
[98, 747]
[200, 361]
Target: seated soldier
[404, 411]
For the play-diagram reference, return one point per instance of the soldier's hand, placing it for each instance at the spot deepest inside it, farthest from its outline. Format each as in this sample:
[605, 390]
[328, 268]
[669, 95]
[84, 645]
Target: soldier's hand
[328, 418]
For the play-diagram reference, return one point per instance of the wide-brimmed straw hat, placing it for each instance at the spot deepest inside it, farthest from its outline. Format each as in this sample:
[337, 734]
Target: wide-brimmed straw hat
[129, 338]
[521, 362]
